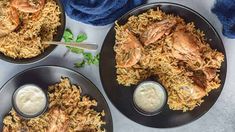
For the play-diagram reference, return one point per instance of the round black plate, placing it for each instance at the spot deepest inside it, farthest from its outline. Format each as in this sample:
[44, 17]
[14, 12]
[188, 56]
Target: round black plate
[44, 76]
[57, 37]
[121, 96]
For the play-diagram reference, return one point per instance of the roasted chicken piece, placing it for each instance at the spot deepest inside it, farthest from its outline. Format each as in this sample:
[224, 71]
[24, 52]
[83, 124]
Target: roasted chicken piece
[131, 51]
[28, 6]
[185, 46]
[200, 79]
[210, 73]
[9, 19]
[156, 30]
[192, 92]
[59, 121]
[195, 89]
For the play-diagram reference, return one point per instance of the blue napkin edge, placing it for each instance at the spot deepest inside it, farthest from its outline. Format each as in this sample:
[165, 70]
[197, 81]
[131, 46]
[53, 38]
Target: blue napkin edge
[225, 11]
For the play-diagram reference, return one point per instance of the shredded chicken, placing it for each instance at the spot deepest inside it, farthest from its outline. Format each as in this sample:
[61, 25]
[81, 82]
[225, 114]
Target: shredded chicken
[155, 31]
[192, 92]
[9, 19]
[59, 121]
[186, 46]
[132, 50]
[210, 73]
[28, 6]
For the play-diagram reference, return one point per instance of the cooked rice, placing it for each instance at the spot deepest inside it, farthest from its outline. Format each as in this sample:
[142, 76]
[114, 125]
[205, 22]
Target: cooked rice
[157, 60]
[26, 40]
[67, 98]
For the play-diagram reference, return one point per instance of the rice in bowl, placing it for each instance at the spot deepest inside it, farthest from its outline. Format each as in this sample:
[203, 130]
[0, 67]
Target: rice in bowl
[187, 80]
[34, 28]
[68, 111]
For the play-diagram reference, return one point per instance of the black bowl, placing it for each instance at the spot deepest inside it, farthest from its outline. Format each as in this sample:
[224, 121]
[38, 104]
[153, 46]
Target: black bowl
[23, 115]
[57, 37]
[121, 96]
[44, 76]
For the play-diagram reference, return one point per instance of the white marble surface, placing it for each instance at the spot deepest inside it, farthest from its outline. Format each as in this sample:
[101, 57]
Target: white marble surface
[221, 118]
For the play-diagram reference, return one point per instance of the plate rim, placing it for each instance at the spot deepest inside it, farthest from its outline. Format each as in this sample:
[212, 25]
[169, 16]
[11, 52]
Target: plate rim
[159, 4]
[67, 69]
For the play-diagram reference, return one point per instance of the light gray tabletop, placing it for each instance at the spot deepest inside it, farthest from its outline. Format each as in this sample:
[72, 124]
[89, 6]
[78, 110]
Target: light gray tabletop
[221, 117]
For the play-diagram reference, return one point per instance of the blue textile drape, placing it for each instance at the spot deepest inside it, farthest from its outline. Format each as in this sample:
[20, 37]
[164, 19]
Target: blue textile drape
[98, 12]
[225, 11]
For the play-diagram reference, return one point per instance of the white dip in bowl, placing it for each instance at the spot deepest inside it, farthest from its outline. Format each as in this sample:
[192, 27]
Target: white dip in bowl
[29, 100]
[149, 97]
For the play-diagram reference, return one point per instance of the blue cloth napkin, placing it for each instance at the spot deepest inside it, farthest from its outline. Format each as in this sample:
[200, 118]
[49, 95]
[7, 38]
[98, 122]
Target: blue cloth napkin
[98, 12]
[225, 11]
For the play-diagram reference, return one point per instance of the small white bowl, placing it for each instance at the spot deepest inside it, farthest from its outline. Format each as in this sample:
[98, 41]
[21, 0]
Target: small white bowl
[158, 87]
[24, 115]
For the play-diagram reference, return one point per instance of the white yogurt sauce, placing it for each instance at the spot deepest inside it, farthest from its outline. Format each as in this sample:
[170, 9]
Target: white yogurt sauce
[149, 96]
[30, 99]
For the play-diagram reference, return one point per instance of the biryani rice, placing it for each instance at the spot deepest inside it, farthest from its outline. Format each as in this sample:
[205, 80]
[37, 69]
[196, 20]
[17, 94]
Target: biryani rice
[26, 40]
[157, 60]
[68, 99]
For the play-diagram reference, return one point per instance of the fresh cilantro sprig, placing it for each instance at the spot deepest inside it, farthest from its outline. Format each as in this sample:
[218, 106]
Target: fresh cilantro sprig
[88, 58]
[81, 37]
[68, 35]
[80, 64]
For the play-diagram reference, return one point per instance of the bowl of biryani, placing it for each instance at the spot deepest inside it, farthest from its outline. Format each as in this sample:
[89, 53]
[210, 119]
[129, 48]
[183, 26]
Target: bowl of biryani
[171, 44]
[74, 103]
[25, 25]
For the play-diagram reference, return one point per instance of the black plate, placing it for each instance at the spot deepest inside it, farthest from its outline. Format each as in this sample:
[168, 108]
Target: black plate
[43, 76]
[121, 96]
[57, 37]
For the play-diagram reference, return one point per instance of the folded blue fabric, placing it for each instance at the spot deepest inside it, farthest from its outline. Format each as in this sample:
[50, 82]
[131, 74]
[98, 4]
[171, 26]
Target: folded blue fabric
[225, 11]
[98, 12]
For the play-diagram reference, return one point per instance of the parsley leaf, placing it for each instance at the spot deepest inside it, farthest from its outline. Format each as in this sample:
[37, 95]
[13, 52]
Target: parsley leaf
[90, 59]
[87, 56]
[96, 59]
[68, 35]
[81, 37]
[79, 64]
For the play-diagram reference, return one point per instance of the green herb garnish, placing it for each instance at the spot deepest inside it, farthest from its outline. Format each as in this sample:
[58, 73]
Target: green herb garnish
[68, 35]
[80, 64]
[96, 59]
[81, 37]
[88, 58]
